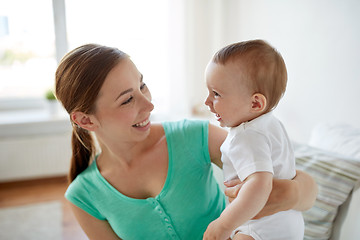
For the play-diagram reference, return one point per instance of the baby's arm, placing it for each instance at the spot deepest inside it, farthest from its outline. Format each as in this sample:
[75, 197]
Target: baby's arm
[298, 194]
[251, 199]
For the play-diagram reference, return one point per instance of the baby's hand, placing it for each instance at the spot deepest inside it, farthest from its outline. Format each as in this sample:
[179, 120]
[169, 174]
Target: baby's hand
[216, 231]
[232, 188]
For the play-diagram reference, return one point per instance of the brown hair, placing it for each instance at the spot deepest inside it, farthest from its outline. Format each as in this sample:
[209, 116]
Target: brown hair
[264, 67]
[78, 80]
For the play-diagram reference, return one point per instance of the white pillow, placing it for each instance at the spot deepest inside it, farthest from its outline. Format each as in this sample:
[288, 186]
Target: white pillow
[340, 138]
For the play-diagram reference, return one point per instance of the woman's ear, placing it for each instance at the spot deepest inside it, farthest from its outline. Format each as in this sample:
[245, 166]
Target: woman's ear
[258, 103]
[83, 120]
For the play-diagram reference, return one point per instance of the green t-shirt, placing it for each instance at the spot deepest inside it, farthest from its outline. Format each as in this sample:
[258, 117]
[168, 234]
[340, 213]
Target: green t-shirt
[189, 201]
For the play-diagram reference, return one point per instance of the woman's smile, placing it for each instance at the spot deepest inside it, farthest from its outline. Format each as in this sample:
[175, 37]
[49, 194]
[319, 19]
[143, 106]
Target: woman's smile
[144, 125]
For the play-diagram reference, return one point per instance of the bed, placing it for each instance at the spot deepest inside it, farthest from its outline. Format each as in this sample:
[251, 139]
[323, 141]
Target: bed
[332, 157]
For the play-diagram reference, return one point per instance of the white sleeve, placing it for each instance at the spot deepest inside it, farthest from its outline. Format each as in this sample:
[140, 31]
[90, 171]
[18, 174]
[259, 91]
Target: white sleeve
[250, 152]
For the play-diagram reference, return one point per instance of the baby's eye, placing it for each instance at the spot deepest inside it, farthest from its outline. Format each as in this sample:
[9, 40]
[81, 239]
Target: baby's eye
[143, 86]
[216, 94]
[127, 101]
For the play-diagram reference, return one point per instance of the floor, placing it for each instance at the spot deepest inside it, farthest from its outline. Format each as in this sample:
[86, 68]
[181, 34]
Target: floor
[42, 190]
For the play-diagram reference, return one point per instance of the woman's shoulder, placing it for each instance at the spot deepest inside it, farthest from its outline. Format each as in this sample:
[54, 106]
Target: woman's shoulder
[84, 178]
[186, 131]
[178, 126]
[86, 191]
[185, 124]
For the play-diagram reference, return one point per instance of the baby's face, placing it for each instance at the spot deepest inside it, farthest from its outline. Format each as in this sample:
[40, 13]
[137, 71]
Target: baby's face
[229, 97]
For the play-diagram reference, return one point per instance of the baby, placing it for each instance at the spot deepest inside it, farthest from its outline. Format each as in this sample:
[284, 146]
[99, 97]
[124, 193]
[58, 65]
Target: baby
[246, 80]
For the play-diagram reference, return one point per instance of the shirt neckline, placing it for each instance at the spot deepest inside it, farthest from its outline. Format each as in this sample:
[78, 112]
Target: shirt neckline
[157, 197]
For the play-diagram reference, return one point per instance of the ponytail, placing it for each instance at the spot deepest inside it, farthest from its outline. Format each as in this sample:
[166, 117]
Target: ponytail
[83, 150]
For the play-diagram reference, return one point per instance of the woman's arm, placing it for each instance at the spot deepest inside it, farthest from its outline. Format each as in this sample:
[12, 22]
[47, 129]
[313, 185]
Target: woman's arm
[307, 191]
[216, 137]
[93, 227]
[298, 194]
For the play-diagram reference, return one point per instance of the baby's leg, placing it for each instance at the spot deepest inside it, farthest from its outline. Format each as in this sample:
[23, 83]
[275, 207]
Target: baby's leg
[240, 236]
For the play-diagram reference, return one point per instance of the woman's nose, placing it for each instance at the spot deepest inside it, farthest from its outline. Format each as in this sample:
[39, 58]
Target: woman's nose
[147, 104]
[150, 105]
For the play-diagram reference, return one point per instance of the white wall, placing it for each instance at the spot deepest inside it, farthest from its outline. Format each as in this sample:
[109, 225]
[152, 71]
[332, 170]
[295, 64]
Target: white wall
[319, 40]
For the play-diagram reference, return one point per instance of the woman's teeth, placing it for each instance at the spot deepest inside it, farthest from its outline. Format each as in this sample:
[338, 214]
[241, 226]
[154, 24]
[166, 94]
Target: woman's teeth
[142, 124]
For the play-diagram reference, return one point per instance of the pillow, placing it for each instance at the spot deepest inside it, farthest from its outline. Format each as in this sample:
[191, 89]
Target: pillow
[335, 176]
[340, 138]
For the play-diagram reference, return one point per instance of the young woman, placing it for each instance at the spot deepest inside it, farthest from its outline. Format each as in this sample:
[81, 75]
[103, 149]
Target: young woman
[148, 181]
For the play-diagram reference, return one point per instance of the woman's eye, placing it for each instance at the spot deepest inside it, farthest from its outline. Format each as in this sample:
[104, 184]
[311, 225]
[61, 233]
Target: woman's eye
[143, 86]
[127, 101]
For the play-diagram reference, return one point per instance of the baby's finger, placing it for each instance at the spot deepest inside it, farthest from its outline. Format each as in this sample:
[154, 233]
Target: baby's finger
[232, 182]
[232, 192]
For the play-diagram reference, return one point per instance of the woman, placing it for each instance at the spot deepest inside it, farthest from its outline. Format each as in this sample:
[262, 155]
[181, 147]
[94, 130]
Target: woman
[149, 181]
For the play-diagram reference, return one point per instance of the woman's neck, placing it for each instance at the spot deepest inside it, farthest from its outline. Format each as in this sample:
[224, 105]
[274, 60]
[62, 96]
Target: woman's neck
[124, 153]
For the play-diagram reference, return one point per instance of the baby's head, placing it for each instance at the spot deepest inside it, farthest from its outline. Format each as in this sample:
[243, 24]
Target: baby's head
[252, 69]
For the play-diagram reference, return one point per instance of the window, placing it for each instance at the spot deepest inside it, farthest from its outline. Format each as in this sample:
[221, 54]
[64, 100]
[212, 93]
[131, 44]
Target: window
[27, 48]
[138, 27]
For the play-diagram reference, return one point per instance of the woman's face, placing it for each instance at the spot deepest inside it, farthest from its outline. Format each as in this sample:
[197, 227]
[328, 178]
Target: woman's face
[123, 105]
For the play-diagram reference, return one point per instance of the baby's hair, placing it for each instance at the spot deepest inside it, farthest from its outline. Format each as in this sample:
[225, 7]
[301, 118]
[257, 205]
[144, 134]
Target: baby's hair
[262, 65]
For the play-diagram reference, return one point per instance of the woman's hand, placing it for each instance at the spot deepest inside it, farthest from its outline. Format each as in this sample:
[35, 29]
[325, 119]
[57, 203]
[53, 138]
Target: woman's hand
[298, 194]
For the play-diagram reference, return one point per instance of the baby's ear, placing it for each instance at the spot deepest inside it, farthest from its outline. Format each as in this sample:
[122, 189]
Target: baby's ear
[258, 103]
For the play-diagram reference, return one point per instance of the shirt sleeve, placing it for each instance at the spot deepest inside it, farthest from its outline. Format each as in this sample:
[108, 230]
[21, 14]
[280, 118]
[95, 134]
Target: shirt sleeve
[78, 195]
[250, 152]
